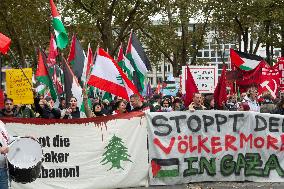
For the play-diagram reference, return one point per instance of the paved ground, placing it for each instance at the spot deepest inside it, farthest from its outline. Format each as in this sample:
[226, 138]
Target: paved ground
[223, 185]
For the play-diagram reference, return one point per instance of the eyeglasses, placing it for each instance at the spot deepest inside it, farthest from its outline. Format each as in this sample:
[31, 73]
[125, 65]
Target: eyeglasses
[73, 101]
[8, 103]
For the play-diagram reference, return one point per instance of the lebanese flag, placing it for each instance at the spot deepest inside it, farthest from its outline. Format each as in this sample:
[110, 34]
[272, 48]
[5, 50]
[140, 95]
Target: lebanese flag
[108, 76]
[190, 87]
[4, 43]
[270, 80]
[52, 52]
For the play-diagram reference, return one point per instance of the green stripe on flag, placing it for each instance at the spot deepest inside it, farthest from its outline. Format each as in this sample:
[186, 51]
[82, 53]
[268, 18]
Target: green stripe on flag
[245, 68]
[140, 75]
[58, 25]
[168, 173]
[122, 65]
[61, 34]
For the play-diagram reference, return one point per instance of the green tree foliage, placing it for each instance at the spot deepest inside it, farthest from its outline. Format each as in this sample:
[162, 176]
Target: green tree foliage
[250, 22]
[27, 23]
[109, 21]
[172, 37]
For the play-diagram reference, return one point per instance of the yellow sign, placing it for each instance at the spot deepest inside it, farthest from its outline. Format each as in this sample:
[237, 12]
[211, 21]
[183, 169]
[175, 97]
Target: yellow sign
[18, 86]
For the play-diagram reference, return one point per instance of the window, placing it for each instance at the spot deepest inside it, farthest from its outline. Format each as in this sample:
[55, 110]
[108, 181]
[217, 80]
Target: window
[206, 53]
[159, 69]
[213, 59]
[213, 54]
[199, 54]
[151, 80]
[206, 47]
[191, 27]
[169, 68]
[165, 68]
[220, 66]
[219, 60]
[219, 53]
[227, 47]
[227, 53]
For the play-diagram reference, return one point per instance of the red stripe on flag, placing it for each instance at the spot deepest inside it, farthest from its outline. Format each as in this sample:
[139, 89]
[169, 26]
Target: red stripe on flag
[235, 58]
[108, 86]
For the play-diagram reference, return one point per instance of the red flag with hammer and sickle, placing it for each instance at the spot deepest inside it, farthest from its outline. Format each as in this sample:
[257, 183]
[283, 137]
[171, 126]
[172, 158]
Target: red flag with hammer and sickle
[270, 81]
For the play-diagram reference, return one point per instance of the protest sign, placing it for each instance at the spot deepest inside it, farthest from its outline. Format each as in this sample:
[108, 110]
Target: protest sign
[205, 77]
[88, 153]
[215, 146]
[18, 86]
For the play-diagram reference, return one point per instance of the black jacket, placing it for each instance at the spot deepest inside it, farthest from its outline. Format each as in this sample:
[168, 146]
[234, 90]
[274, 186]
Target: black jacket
[48, 113]
[73, 115]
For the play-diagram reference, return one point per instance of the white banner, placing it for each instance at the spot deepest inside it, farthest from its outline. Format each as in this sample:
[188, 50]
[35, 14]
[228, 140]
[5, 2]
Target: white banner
[108, 152]
[205, 77]
[215, 146]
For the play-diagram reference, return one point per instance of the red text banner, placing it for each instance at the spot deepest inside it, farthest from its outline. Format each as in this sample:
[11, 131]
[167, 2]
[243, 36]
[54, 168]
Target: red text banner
[215, 146]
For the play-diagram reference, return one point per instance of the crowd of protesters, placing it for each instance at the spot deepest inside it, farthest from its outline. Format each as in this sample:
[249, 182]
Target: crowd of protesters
[44, 107]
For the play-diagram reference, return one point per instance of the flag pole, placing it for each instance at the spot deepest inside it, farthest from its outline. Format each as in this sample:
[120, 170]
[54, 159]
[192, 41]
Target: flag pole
[13, 56]
[89, 74]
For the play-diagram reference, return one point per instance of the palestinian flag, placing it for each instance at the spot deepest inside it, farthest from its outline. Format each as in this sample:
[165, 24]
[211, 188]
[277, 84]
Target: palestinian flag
[41, 89]
[5, 43]
[73, 88]
[76, 58]
[169, 85]
[42, 75]
[59, 30]
[139, 61]
[108, 76]
[162, 168]
[52, 52]
[125, 64]
[244, 61]
[57, 79]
